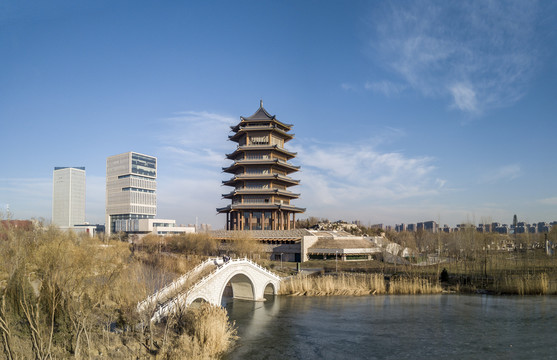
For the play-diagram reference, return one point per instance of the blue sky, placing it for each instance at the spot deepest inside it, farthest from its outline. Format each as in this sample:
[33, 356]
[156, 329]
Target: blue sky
[402, 111]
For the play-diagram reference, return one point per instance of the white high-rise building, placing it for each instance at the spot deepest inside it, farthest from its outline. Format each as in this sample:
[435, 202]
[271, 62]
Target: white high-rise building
[130, 191]
[68, 196]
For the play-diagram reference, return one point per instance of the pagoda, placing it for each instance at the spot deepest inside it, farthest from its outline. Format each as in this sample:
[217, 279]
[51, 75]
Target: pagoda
[260, 199]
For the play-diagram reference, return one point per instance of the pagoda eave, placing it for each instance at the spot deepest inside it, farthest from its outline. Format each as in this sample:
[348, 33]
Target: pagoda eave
[241, 149]
[270, 207]
[281, 192]
[280, 178]
[273, 129]
[277, 164]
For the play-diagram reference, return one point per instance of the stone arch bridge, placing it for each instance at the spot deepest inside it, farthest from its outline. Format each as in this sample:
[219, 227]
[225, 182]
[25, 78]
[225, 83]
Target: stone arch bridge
[207, 283]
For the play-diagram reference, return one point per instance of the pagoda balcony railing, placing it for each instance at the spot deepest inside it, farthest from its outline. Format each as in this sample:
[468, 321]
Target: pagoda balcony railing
[259, 174]
[260, 202]
[256, 157]
[267, 158]
[261, 146]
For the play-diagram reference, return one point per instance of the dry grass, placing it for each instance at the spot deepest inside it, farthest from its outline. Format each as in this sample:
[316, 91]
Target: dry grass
[355, 284]
[63, 295]
[208, 334]
[523, 285]
[342, 284]
[413, 286]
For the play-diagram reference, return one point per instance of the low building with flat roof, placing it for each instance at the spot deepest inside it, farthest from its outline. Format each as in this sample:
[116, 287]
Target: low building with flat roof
[300, 245]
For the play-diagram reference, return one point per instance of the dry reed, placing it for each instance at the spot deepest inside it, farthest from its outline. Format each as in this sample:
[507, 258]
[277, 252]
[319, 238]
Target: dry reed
[342, 284]
[523, 284]
[413, 286]
[208, 334]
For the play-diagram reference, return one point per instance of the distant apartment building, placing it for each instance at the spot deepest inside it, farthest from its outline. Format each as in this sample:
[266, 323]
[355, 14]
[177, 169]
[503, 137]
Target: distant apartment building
[494, 227]
[68, 196]
[130, 191]
[543, 227]
[431, 226]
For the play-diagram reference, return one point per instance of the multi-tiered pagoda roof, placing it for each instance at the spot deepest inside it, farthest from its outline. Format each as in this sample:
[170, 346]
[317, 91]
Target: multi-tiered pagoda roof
[260, 198]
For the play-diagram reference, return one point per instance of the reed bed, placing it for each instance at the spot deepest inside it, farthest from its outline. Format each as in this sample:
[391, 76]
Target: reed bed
[413, 286]
[207, 334]
[524, 284]
[341, 284]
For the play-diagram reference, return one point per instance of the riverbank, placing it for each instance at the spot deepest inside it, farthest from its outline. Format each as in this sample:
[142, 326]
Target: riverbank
[64, 295]
[358, 284]
[505, 273]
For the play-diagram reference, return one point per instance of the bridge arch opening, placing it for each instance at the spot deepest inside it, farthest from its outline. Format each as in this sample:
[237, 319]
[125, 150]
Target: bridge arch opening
[270, 289]
[197, 302]
[269, 292]
[239, 286]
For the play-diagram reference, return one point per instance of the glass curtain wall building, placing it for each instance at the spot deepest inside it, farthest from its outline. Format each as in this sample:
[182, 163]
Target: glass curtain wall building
[68, 196]
[130, 191]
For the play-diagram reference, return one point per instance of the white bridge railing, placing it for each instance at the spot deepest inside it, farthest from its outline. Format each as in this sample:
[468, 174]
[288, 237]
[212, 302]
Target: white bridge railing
[180, 298]
[174, 285]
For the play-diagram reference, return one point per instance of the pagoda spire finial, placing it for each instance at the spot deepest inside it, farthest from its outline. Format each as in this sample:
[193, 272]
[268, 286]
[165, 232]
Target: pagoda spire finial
[261, 103]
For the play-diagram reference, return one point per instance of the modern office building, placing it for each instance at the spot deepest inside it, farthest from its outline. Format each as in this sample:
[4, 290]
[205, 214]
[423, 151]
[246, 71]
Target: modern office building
[260, 199]
[68, 196]
[130, 191]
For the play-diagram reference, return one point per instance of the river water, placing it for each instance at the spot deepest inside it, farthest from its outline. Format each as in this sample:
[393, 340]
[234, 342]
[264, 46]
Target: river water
[396, 327]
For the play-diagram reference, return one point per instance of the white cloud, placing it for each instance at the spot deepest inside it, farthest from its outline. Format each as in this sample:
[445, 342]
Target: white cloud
[196, 137]
[348, 87]
[481, 54]
[464, 98]
[549, 201]
[384, 87]
[334, 176]
[502, 173]
[355, 176]
[192, 148]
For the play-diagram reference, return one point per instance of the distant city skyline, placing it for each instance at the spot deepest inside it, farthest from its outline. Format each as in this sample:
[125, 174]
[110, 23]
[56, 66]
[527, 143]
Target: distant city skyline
[403, 111]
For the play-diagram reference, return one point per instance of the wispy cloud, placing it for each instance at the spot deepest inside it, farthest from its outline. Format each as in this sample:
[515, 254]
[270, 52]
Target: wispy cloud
[196, 137]
[348, 175]
[348, 87]
[334, 176]
[464, 98]
[480, 54]
[549, 201]
[192, 148]
[385, 87]
[502, 173]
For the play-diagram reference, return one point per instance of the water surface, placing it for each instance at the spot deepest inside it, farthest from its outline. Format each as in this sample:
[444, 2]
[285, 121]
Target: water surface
[396, 327]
